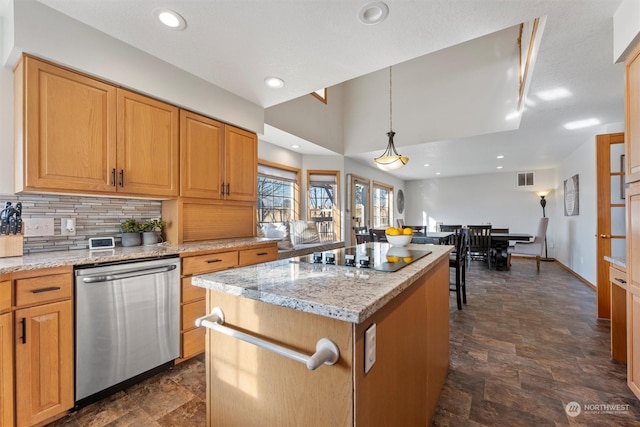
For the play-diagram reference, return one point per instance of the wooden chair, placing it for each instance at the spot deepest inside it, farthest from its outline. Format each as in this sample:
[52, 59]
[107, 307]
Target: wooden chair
[533, 248]
[480, 242]
[449, 227]
[377, 235]
[418, 230]
[457, 261]
[499, 248]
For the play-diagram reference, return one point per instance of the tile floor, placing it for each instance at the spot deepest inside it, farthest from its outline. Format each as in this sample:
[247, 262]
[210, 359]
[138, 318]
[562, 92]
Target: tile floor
[524, 346]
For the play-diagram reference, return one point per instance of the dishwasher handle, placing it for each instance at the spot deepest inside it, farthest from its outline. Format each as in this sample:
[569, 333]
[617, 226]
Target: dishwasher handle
[127, 274]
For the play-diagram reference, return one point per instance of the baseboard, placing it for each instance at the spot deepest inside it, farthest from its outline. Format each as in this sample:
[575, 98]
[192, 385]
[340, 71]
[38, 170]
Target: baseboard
[582, 279]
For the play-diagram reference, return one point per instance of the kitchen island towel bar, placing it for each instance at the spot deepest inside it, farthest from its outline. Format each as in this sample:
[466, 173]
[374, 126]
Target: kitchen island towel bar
[327, 351]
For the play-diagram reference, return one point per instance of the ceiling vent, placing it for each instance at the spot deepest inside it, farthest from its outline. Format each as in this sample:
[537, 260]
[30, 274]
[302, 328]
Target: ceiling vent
[525, 179]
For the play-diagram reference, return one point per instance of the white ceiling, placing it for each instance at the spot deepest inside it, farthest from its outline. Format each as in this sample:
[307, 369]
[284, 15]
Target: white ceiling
[236, 44]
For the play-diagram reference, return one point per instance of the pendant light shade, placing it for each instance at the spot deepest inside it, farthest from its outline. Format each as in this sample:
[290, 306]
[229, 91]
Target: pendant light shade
[390, 159]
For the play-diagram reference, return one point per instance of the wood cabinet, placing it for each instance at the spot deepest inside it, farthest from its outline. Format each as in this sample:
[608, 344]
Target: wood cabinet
[43, 340]
[632, 111]
[6, 355]
[618, 298]
[247, 385]
[76, 134]
[192, 302]
[633, 288]
[240, 164]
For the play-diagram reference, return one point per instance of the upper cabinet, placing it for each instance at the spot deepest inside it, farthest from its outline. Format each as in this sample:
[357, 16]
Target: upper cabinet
[632, 111]
[240, 164]
[77, 134]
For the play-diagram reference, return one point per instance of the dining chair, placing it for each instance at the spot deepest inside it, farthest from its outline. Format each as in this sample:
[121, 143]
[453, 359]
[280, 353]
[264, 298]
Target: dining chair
[377, 235]
[449, 227]
[457, 261]
[479, 243]
[420, 230]
[362, 235]
[499, 247]
[533, 248]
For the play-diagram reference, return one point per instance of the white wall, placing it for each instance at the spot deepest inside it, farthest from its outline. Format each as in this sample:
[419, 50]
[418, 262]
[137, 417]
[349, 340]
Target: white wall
[477, 199]
[6, 125]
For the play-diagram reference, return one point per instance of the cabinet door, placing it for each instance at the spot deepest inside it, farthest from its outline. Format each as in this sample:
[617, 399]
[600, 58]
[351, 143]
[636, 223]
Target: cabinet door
[6, 371]
[633, 339]
[241, 164]
[44, 362]
[69, 130]
[147, 146]
[201, 156]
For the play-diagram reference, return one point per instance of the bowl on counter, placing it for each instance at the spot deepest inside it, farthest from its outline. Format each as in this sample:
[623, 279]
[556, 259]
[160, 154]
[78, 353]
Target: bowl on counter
[399, 240]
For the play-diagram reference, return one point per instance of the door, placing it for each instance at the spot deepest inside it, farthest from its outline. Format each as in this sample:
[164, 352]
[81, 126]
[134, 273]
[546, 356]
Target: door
[70, 130]
[611, 231]
[44, 362]
[360, 204]
[201, 156]
[241, 164]
[148, 146]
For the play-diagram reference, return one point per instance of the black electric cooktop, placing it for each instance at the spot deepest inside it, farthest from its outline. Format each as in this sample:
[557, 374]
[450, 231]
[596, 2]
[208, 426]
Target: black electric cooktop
[375, 256]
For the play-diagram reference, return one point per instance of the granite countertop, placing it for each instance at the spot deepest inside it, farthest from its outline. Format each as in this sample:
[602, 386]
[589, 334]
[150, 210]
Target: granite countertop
[620, 262]
[344, 293]
[85, 256]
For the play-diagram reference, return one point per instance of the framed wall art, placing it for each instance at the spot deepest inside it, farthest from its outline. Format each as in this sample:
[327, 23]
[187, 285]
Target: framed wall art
[572, 196]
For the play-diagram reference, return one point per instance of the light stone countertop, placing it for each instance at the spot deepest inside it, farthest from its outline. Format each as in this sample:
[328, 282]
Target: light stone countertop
[620, 262]
[344, 293]
[84, 256]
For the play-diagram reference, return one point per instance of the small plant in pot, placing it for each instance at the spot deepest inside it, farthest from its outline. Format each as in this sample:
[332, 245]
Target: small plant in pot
[130, 232]
[151, 230]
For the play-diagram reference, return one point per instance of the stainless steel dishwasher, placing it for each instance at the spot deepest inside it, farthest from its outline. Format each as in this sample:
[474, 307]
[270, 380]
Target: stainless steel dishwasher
[127, 323]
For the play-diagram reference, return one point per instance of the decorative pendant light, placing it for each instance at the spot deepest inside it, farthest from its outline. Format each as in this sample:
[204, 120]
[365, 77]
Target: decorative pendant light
[390, 159]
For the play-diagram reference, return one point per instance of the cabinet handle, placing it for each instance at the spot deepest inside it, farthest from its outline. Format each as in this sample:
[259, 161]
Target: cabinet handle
[262, 253]
[211, 261]
[228, 185]
[121, 177]
[24, 330]
[222, 189]
[620, 280]
[113, 177]
[41, 290]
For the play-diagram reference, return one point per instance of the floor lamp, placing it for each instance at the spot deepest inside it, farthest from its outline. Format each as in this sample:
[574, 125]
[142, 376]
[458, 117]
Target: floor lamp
[543, 203]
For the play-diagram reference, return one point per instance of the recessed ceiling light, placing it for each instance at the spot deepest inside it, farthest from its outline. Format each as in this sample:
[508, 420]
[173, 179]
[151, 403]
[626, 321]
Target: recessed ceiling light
[373, 13]
[498, 167]
[500, 157]
[427, 165]
[170, 18]
[274, 82]
[295, 146]
[552, 94]
[578, 124]
[437, 173]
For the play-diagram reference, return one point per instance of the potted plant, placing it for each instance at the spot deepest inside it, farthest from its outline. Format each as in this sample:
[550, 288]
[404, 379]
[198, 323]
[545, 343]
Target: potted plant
[151, 230]
[130, 232]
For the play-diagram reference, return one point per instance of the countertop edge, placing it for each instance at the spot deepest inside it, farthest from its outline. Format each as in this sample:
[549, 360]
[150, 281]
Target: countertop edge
[619, 262]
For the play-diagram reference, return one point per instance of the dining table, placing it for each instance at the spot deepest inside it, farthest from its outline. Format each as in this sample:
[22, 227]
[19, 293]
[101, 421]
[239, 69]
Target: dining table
[500, 243]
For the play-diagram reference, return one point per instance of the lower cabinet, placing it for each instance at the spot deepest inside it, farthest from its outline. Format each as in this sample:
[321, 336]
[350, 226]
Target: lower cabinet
[6, 371]
[43, 343]
[618, 300]
[192, 301]
[633, 339]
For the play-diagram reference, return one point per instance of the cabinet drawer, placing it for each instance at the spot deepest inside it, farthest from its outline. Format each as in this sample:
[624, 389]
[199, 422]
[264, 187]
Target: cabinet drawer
[190, 292]
[37, 290]
[618, 277]
[256, 256]
[193, 342]
[208, 263]
[5, 296]
[190, 312]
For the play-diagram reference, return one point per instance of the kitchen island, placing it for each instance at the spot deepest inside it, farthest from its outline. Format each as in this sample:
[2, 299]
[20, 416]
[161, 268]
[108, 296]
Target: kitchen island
[295, 304]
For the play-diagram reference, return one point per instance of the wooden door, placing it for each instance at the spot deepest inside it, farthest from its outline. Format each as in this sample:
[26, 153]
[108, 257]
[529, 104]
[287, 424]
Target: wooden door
[148, 146]
[201, 156]
[70, 130]
[6, 371]
[241, 164]
[611, 231]
[44, 362]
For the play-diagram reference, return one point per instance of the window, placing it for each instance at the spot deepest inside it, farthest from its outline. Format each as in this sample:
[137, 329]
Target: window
[382, 202]
[323, 203]
[278, 193]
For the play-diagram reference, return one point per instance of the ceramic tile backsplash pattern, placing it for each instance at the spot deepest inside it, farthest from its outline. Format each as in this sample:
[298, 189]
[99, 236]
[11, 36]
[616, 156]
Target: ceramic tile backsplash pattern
[95, 216]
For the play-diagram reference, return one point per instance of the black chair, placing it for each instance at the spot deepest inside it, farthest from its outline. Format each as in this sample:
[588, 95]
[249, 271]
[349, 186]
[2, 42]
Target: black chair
[449, 227]
[479, 243]
[457, 261]
[362, 235]
[499, 248]
[377, 235]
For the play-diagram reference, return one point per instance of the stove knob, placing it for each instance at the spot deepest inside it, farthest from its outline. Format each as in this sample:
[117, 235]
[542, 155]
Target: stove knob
[317, 257]
[350, 260]
[364, 262]
[330, 258]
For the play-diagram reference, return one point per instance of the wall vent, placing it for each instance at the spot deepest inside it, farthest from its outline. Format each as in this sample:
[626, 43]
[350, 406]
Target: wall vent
[525, 179]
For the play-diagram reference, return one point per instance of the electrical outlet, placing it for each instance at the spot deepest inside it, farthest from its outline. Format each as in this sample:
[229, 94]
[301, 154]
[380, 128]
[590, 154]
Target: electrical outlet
[67, 226]
[38, 227]
[369, 348]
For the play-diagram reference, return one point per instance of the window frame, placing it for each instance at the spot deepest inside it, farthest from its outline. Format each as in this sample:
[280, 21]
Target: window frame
[336, 212]
[296, 189]
[390, 190]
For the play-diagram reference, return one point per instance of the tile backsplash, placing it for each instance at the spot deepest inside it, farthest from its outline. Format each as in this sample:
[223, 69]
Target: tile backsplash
[95, 216]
